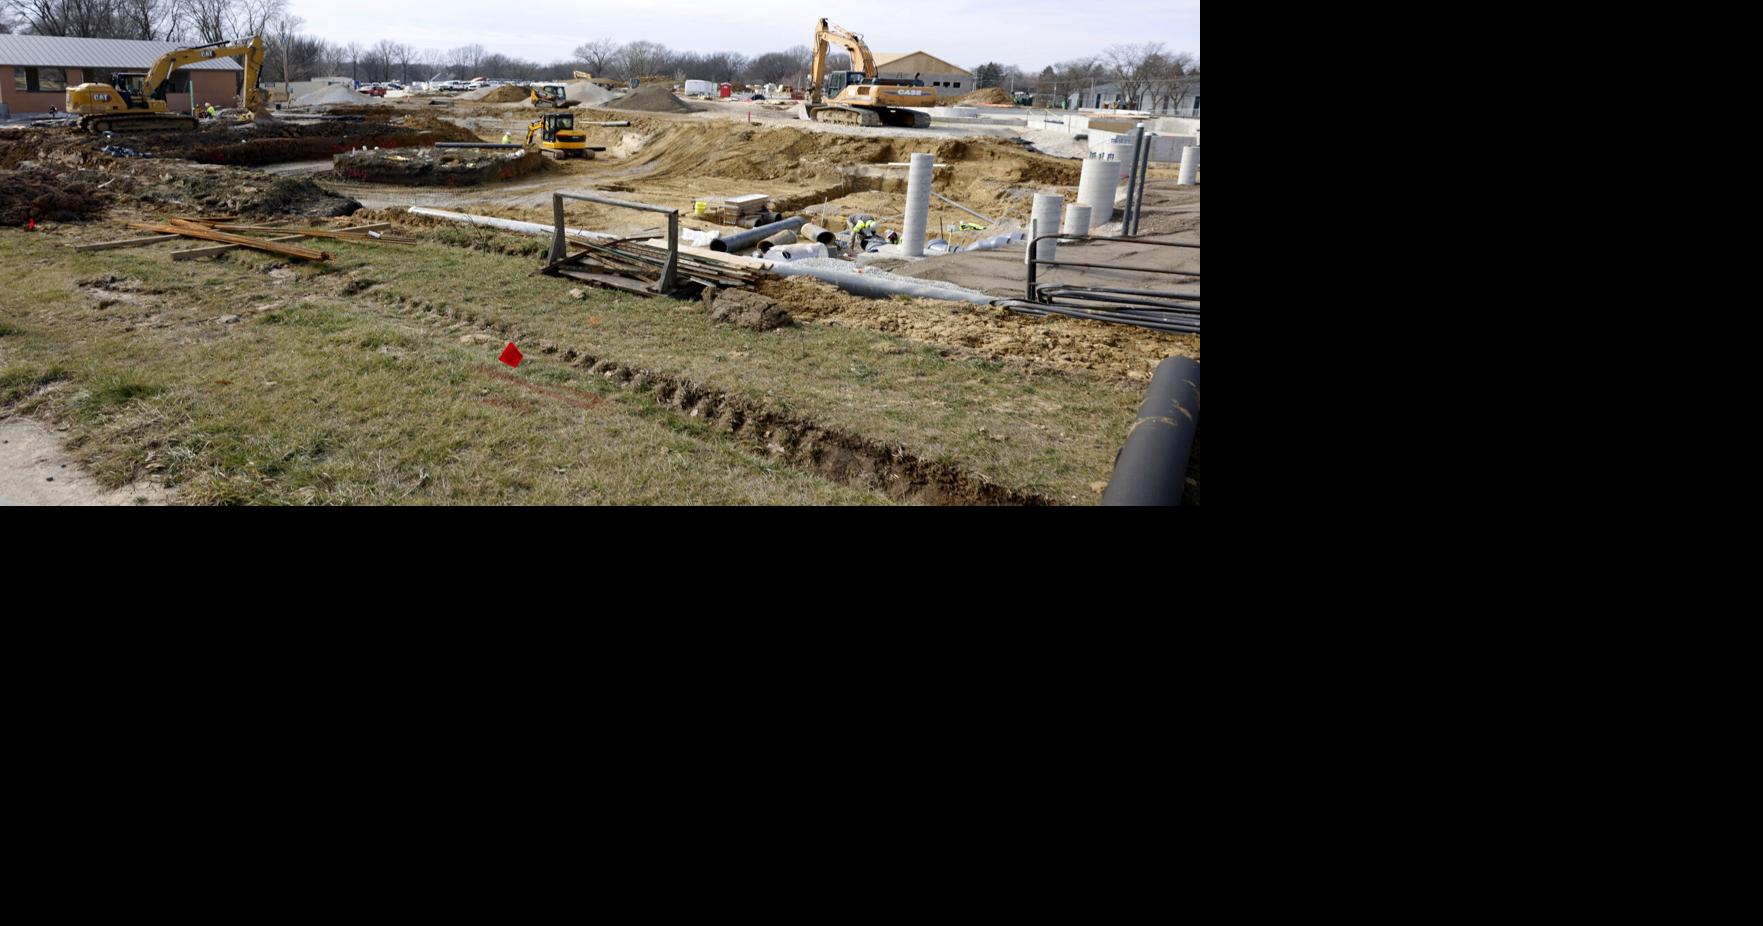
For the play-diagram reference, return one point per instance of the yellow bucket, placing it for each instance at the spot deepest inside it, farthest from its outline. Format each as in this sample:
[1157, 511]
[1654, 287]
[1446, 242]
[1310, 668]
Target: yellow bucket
[700, 207]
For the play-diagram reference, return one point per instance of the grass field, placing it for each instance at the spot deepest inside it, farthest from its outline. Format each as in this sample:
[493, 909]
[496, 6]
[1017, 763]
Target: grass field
[372, 378]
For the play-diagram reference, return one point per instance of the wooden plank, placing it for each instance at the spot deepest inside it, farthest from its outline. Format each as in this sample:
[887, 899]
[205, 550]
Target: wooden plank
[193, 253]
[192, 230]
[316, 233]
[197, 230]
[125, 243]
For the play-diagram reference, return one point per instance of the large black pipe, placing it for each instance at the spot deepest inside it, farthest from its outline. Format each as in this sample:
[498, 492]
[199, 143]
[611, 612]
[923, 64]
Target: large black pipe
[1152, 467]
[752, 236]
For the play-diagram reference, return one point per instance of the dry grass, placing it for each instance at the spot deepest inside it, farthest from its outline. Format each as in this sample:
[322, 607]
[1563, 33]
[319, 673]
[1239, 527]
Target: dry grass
[333, 389]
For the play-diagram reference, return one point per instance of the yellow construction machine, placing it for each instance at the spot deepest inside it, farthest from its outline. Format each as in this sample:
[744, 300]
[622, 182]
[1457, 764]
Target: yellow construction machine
[604, 82]
[136, 102]
[550, 95]
[862, 98]
[558, 137]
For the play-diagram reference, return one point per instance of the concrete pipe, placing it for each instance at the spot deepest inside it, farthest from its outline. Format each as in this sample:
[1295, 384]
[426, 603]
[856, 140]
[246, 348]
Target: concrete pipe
[1077, 220]
[1096, 188]
[917, 203]
[751, 237]
[1152, 466]
[785, 237]
[1190, 165]
[814, 232]
[1045, 214]
[1123, 150]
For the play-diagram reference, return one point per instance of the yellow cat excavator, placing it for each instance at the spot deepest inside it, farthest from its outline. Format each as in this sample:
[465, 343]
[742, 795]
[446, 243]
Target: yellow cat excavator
[136, 102]
[862, 99]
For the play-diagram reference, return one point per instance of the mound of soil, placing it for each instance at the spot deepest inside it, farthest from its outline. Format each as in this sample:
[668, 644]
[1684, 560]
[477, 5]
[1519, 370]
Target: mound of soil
[587, 92]
[269, 141]
[1068, 345]
[501, 93]
[43, 195]
[650, 98]
[438, 166]
[988, 95]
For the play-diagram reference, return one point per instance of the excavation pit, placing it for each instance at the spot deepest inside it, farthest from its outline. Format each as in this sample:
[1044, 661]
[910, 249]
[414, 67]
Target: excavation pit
[437, 166]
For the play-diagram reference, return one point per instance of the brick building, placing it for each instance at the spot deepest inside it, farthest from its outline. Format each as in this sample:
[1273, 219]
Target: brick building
[36, 70]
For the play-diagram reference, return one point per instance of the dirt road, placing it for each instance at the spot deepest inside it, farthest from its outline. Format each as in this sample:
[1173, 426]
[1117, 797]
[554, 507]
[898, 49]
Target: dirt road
[36, 470]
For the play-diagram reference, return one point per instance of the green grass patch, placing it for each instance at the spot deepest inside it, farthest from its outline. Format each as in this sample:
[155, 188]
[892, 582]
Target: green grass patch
[20, 382]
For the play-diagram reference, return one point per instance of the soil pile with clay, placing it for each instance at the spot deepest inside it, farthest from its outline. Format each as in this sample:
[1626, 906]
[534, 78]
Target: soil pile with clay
[991, 95]
[45, 196]
[1070, 345]
[650, 98]
[501, 93]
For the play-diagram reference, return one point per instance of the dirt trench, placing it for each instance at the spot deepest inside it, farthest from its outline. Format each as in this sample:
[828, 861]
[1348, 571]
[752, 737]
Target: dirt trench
[850, 459]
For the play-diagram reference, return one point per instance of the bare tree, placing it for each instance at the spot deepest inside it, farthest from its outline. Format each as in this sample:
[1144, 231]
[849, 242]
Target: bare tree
[644, 59]
[467, 58]
[353, 51]
[281, 36]
[597, 56]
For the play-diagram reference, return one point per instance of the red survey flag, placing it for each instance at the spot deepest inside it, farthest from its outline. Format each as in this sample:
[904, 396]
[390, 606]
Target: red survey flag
[510, 355]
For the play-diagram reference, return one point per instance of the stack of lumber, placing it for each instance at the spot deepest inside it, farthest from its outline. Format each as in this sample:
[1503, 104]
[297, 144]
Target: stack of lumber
[231, 236]
[731, 210]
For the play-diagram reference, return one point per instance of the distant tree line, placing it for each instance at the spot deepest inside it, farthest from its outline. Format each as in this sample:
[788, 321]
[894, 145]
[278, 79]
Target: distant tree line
[1147, 75]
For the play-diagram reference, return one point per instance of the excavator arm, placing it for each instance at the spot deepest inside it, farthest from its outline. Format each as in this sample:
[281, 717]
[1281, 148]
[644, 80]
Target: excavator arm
[860, 56]
[251, 49]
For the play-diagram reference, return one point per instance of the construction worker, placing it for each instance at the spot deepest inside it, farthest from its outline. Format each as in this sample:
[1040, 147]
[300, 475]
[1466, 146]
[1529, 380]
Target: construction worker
[211, 111]
[505, 140]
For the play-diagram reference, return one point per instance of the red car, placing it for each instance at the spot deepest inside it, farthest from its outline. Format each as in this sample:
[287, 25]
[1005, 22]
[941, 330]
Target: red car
[374, 91]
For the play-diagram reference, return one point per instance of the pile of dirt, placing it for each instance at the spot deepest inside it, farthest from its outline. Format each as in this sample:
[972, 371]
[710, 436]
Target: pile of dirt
[46, 196]
[587, 92]
[269, 141]
[1069, 345]
[336, 93]
[500, 93]
[437, 166]
[991, 95]
[181, 186]
[650, 98]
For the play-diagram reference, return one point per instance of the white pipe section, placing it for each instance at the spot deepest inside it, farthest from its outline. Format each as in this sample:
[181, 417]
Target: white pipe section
[881, 288]
[1095, 188]
[531, 228]
[1123, 149]
[1077, 220]
[917, 203]
[1045, 214]
[1190, 162]
[800, 251]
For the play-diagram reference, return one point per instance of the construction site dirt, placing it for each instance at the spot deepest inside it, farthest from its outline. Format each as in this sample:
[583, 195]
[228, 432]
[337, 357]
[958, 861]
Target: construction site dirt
[323, 164]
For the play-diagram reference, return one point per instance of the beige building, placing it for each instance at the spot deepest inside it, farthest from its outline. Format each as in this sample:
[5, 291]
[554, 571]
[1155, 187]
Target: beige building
[935, 72]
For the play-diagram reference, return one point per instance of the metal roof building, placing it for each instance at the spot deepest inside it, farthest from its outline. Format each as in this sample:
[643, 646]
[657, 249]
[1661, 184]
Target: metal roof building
[55, 51]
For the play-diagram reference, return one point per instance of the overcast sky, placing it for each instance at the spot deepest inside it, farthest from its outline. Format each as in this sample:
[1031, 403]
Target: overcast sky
[1027, 33]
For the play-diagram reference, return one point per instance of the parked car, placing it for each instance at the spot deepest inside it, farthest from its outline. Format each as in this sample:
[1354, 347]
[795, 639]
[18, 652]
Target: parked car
[374, 90]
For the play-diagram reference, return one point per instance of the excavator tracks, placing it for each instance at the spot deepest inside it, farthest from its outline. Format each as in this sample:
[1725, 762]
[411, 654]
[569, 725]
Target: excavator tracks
[124, 122]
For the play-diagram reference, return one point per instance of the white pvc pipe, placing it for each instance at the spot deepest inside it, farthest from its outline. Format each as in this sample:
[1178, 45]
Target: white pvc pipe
[531, 228]
[1045, 213]
[917, 203]
[799, 251]
[1077, 220]
[1190, 162]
